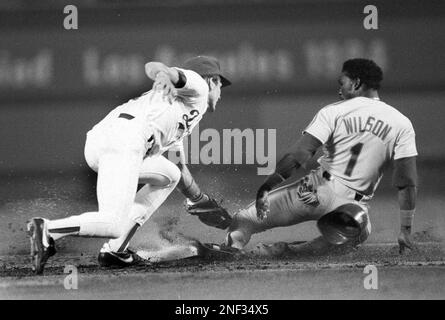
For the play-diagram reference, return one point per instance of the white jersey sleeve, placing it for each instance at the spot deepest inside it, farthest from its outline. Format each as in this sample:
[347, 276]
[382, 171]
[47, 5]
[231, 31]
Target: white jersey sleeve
[177, 146]
[159, 122]
[195, 91]
[405, 145]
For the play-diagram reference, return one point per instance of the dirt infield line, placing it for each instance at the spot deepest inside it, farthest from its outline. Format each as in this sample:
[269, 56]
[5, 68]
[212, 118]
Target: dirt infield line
[380, 255]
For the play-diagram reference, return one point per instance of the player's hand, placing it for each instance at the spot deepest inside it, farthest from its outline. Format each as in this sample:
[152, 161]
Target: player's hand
[405, 240]
[209, 212]
[164, 85]
[262, 204]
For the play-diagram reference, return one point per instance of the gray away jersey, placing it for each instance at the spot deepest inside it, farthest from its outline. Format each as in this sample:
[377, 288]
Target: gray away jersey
[360, 137]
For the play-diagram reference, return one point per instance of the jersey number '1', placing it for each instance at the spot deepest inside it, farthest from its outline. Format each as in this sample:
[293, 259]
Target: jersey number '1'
[355, 151]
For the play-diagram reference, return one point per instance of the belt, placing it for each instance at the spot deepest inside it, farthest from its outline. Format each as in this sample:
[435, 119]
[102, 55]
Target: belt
[126, 116]
[328, 176]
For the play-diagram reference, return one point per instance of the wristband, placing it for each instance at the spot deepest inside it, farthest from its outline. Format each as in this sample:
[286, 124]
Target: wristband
[406, 217]
[191, 191]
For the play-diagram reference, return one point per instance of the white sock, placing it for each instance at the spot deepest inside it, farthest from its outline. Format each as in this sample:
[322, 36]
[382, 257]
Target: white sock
[147, 201]
[120, 244]
[89, 224]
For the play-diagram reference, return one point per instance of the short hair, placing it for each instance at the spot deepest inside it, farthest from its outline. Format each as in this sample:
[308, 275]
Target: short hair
[366, 70]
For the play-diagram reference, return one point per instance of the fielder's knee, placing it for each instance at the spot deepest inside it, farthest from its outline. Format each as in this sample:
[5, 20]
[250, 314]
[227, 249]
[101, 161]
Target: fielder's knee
[175, 176]
[167, 179]
[348, 223]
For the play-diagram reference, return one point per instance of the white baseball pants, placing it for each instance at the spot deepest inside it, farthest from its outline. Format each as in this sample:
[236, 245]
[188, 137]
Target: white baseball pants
[116, 154]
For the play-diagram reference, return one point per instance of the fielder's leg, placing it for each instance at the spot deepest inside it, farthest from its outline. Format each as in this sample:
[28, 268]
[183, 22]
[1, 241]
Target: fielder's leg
[116, 188]
[160, 177]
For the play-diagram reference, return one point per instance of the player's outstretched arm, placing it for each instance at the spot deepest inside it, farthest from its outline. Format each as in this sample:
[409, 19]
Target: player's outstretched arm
[405, 180]
[297, 156]
[201, 204]
[187, 185]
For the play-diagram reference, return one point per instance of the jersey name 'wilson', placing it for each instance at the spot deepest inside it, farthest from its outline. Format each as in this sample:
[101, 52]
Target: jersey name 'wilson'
[375, 126]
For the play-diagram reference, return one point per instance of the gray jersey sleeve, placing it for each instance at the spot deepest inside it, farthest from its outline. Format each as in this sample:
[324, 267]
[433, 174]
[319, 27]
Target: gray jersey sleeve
[405, 145]
[322, 126]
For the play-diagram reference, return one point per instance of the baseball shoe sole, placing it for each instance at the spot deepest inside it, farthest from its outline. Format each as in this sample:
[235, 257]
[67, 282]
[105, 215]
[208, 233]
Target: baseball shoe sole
[42, 246]
[216, 251]
[123, 259]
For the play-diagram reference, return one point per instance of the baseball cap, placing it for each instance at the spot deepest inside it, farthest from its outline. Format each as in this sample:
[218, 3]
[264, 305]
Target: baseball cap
[206, 66]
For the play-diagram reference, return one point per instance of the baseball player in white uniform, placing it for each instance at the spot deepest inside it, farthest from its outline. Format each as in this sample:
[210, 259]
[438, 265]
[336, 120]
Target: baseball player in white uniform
[361, 136]
[126, 148]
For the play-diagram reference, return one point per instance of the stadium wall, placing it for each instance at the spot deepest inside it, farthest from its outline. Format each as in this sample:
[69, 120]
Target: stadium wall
[283, 59]
[50, 136]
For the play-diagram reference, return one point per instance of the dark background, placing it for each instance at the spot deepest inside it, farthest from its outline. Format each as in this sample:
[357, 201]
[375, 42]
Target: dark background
[283, 57]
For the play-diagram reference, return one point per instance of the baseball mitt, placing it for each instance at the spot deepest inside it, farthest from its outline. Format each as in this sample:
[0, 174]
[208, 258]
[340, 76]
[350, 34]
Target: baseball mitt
[209, 212]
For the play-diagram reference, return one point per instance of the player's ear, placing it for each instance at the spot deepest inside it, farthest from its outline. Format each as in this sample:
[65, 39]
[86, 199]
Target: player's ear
[211, 83]
[357, 84]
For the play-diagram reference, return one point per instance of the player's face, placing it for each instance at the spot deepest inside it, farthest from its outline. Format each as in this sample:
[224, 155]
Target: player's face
[214, 93]
[347, 87]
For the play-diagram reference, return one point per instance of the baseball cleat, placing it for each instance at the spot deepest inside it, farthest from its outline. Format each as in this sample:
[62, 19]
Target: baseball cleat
[42, 245]
[216, 251]
[108, 258]
[192, 250]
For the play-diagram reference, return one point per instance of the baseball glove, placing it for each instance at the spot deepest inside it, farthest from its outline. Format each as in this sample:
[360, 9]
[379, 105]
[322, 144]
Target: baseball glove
[209, 212]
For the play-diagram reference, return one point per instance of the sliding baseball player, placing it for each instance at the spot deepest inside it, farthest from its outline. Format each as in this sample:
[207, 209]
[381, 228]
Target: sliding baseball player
[361, 136]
